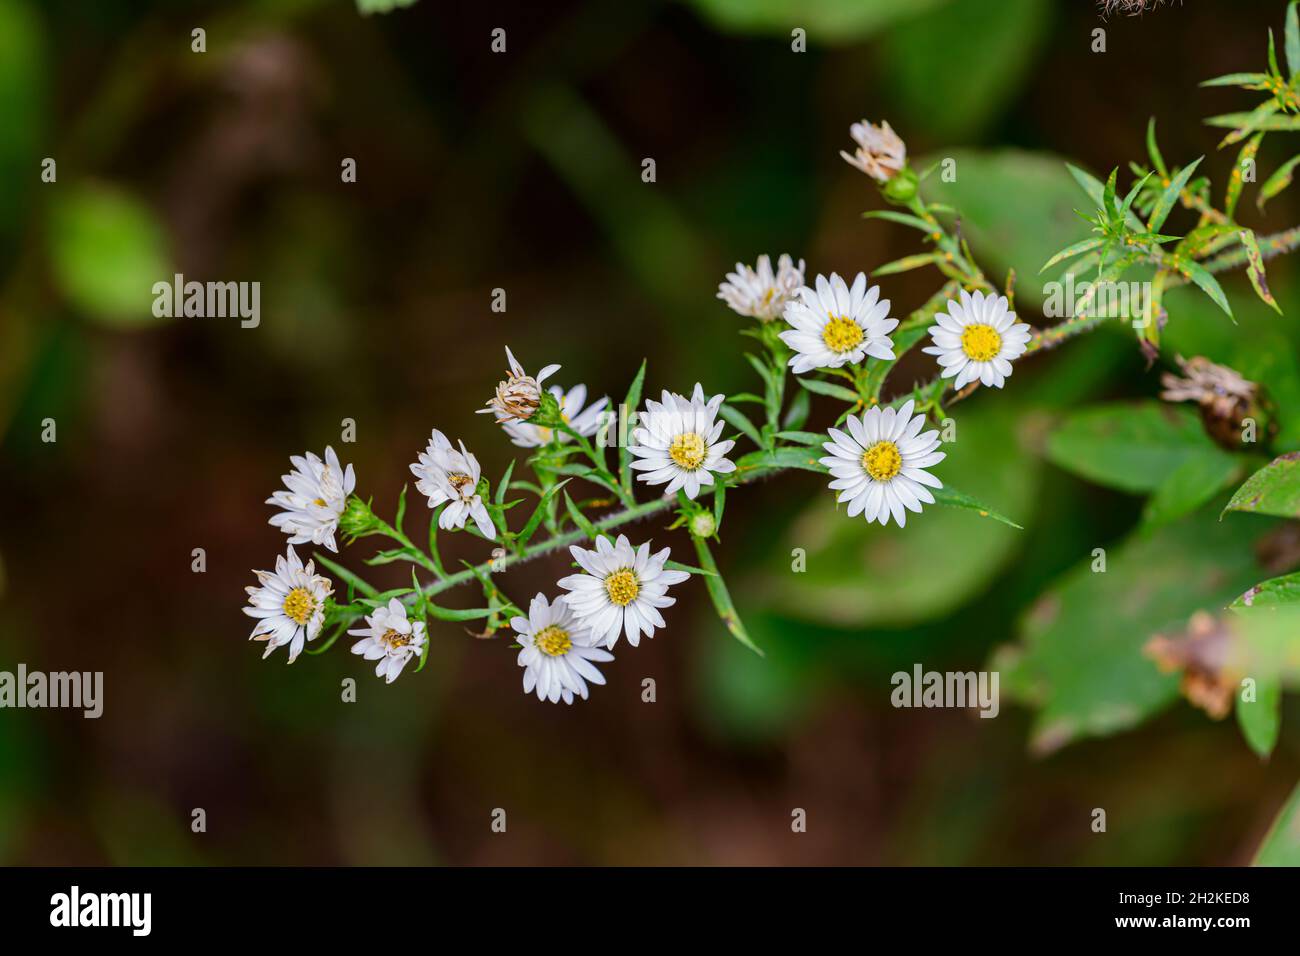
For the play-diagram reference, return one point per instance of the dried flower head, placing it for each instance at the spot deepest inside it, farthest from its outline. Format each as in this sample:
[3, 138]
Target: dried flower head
[1226, 399]
[519, 396]
[881, 154]
[762, 293]
[1205, 654]
[1129, 8]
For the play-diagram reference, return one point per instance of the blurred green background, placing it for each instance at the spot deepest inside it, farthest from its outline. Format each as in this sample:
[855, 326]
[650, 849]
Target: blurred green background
[522, 171]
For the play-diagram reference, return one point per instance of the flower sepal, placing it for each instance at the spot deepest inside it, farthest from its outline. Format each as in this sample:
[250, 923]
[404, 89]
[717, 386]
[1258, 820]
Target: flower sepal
[358, 520]
[548, 413]
[901, 188]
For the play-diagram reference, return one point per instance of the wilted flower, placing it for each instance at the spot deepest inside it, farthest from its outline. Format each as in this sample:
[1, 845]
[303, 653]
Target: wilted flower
[1204, 653]
[880, 153]
[314, 496]
[1225, 398]
[519, 396]
[760, 293]
[446, 475]
[583, 420]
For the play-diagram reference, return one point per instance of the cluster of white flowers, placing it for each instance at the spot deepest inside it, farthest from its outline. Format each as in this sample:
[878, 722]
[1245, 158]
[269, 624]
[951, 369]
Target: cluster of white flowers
[878, 465]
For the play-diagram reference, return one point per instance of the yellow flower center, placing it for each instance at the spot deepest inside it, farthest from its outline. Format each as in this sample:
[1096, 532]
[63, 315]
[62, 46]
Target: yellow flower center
[981, 342]
[622, 587]
[395, 639]
[842, 334]
[687, 450]
[553, 640]
[882, 460]
[299, 605]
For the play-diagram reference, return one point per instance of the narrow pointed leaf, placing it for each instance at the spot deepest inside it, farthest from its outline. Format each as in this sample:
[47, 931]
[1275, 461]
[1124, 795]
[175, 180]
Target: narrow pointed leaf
[721, 597]
[1165, 204]
[631, 402]
[1279, 181]
[1255, 270]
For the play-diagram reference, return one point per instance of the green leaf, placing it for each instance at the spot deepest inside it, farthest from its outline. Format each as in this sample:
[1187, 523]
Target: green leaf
[952, 99]
[908, 263]
[457, 614]
[367, 7]
[829, 388]
[721, 597]
[688, 568]
[1080, 659]
[401, 510]
[827, 21]
[581, 520]
[1017, 210]
[1255, 270]
[504, 484]
[956, 499]
[1265, 118]
[1281, 846]
[1202, 280]
[1077, 248]
[631, 402]
[1153, 150]
[719, 499]
[1261, 719]
[539, 513]
[1236, 180]
[737, 419]
[786, 456]
[1247, 80]
[902, 218]
[345, 575]
[811, 439]
[1273, 490]
[1292, 40]
[797, 414]
[1281, 590]
[1196, 480]
[1132, 447]
[1169, 198]
[1279, 181]
[107, 251]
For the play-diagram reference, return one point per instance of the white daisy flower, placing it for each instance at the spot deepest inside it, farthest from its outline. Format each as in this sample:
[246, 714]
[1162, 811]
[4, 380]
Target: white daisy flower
[879, 465]
[977, 339]
[557, 651]
[518, 397]
[447, 475]
[316, 493]
[390, 638]
[880, 152]
[676, 441]
[621, 591]
[584, 421]
[760, 293]
[289, 604]
[833, 325]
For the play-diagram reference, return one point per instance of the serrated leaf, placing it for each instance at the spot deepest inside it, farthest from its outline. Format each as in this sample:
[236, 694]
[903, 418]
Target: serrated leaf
[1280, 590]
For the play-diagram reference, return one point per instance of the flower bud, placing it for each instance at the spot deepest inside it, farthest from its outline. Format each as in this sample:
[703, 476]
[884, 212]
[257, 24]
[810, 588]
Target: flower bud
[703, 525]
[357, 520]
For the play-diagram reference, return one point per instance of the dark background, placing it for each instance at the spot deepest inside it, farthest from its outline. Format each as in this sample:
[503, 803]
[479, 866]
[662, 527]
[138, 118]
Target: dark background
[522, 171]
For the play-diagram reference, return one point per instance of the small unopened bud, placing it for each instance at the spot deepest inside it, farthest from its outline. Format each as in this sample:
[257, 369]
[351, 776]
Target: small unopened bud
[703, 525]
[357, 520]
